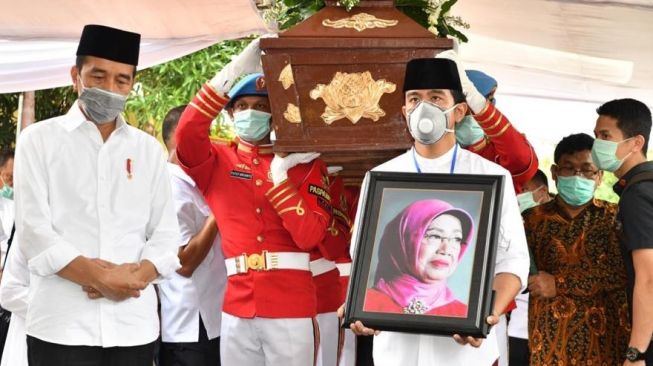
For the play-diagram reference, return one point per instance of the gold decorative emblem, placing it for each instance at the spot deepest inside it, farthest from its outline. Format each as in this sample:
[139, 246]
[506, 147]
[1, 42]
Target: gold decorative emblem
[292, 114]
[360, 22]
[286, 78]
[256, 262]
[352, 96]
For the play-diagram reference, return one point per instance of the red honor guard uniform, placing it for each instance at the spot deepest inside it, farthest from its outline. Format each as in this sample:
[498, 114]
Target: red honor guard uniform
[267, 234]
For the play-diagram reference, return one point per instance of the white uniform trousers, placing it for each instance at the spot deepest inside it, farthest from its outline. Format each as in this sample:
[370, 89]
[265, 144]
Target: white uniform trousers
[347, 350]
[502, 339]
[329, 333]
[267, 341]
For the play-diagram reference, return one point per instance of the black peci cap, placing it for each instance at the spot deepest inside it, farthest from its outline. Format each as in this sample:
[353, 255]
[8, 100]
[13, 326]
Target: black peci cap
[109, 43]
[432, 73]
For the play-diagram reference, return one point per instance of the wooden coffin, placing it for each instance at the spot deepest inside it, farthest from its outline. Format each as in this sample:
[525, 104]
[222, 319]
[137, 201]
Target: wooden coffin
[335, 83]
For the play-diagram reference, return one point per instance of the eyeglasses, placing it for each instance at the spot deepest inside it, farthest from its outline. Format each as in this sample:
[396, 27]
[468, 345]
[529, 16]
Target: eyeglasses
[439, 239]
[566, 171]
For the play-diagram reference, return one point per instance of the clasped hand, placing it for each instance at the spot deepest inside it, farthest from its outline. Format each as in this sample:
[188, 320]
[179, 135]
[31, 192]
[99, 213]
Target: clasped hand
[116, 282]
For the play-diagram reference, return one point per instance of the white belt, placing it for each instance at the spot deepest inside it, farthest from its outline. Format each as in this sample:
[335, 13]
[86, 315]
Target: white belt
[322, 265]
[266, 261]
[344, 269]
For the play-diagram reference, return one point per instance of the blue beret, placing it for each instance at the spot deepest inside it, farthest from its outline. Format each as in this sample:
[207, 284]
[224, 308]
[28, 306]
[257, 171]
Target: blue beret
[483, 82]
[252, 84]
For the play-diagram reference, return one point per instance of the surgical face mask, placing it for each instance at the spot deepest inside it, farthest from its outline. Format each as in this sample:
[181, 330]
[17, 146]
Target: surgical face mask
[468, 131]
[101, 106]
[576, 190]
[252, 125]
[428, 122]
[526, 201]
[7, 192]
[604, 154]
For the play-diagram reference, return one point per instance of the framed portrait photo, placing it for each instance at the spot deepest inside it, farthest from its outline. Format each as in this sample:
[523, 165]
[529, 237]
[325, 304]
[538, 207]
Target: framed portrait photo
[425, 253]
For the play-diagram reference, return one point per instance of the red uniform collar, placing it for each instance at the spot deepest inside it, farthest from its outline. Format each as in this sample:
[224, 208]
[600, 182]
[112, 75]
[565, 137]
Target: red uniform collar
[245, 148]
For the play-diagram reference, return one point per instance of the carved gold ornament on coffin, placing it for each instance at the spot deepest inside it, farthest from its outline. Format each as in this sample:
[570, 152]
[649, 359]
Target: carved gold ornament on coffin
[292, 114]
[360, 22]
[286, 78]
[352, 96]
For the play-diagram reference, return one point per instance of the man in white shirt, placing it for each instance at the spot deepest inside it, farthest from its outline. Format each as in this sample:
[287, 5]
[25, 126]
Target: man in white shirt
[94, 212]
[434, 102]
[191, 299]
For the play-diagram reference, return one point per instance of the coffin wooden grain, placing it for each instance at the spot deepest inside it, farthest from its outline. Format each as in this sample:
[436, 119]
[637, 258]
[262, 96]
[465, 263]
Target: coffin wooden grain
[335, 83]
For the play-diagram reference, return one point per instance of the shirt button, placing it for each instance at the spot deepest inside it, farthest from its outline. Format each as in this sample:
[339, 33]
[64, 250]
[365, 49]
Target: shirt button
[259, 182]
[258, 210]
[259, 238]
[255, 161]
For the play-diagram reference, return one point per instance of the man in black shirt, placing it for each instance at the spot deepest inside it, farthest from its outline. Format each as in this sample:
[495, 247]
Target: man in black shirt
[622, 134]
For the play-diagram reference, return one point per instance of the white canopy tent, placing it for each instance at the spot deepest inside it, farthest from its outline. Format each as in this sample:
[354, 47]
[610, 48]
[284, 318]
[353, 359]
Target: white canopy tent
[556, 61]
[38, 39]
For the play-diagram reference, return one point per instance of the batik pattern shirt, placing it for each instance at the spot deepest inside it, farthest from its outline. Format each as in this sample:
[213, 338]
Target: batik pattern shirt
[586, 322]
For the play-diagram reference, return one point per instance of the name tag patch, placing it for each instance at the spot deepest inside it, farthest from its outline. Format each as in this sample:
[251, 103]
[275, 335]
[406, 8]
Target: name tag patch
[240, 175]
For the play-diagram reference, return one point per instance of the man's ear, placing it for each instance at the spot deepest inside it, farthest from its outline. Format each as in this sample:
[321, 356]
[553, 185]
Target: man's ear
[554, 173]
[599, 179]
[74, 73]
[639, 144]
[459, 112]
[230, 112]
[403, 112]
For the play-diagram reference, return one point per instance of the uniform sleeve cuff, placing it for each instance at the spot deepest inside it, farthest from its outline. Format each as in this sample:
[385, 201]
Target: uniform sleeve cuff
[53, 260]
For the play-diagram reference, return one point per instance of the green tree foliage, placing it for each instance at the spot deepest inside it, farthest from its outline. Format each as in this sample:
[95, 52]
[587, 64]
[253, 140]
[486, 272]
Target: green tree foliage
[49, 103]
[163, 87]
[8, 109]
[156, 91]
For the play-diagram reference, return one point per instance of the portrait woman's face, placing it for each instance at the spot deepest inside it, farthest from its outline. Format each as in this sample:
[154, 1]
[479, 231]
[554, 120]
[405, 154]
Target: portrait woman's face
[440, 249]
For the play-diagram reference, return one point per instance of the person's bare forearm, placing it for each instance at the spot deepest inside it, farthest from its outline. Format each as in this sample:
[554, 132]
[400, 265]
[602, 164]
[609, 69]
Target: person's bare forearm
[147, 271]
[191, 255]
[82, 271]
[506, 287]
[642, 327]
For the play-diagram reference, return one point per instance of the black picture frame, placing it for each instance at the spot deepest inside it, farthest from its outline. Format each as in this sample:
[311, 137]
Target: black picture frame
[383, 196]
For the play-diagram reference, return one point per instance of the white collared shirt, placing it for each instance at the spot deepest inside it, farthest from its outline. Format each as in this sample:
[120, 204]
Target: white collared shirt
[79, 195]
[392, 348]
[184, 300]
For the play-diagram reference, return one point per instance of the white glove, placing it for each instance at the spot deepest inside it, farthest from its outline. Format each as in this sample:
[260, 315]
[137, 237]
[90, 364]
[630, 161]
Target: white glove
[475, 100]
[247, 62]
[334, 169]
[280, 166]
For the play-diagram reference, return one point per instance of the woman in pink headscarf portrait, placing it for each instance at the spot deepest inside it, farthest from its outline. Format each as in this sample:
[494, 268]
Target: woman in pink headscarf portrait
[419, 250]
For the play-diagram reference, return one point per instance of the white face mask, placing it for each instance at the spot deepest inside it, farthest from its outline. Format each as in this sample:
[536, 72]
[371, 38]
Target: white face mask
[101, 106]
[428, 123]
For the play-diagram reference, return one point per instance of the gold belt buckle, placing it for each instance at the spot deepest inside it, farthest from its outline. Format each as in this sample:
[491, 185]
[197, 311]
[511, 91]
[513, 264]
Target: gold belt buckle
[256, 261]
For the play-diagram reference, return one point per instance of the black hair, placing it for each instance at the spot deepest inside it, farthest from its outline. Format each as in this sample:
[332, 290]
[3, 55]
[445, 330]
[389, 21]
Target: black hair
[458, 96]
[170, 122]
[540, 178]
[633, 118]
[5, 156]
[573, 144]
[80, 60]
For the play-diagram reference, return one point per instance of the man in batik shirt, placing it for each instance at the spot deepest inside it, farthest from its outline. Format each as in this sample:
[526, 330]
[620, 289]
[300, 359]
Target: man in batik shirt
[578, 313]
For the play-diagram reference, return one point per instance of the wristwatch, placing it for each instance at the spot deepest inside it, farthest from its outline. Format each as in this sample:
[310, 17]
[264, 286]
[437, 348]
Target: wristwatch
[633, 354]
